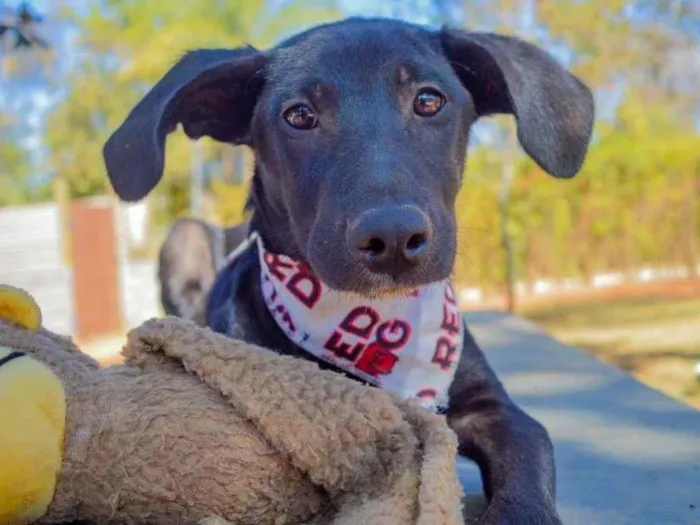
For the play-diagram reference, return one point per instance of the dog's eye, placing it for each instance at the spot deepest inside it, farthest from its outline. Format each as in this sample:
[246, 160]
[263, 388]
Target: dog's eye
[428, 102]
[301, 117]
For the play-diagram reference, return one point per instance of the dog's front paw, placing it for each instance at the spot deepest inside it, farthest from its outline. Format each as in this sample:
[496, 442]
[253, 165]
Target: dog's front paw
[507, 511]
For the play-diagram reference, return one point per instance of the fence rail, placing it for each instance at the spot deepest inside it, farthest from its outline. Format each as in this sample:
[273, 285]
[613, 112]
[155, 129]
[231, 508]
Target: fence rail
[31, 258]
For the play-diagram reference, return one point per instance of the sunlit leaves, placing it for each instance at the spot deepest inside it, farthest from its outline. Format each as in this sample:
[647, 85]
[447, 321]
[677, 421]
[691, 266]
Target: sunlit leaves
[125, 46]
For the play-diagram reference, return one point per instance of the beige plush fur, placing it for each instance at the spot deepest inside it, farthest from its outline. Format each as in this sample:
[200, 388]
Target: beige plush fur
[199, 428]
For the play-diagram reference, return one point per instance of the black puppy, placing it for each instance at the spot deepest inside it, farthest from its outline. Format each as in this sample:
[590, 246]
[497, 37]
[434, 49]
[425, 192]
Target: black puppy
[360, 131]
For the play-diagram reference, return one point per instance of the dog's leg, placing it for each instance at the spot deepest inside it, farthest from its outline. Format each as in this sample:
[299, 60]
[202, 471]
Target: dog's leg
[513, 451]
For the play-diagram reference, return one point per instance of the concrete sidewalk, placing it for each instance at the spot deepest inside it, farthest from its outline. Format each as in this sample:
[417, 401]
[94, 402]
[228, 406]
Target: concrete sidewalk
[625, 454]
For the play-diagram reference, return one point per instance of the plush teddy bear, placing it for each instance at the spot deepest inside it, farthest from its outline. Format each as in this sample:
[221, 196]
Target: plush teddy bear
[200, 428]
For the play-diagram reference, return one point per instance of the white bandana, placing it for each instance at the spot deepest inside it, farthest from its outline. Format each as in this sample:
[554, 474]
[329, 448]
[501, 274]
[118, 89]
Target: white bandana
[408, 345]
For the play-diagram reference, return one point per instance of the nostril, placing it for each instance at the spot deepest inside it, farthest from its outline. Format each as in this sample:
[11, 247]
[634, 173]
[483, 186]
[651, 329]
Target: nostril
[375, 246]
[417, 241]
[416, 245]
[370, 246]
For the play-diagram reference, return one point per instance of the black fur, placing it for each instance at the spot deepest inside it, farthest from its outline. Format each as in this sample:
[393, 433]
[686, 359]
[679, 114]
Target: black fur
[372, 155]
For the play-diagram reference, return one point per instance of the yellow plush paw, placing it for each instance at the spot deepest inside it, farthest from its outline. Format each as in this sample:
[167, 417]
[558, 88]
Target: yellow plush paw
[32, 419]
[18, 307]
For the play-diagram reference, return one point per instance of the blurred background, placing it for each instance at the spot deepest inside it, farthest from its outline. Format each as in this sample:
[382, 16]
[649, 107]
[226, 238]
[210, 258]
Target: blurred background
[609, 261]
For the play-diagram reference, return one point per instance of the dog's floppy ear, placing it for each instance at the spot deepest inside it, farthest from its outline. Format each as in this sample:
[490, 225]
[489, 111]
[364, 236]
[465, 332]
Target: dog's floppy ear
[554, 110]
[211, 92]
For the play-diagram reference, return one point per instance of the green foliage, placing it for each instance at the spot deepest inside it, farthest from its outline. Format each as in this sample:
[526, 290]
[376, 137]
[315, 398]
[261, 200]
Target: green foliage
[19, 49]
[636, 201]
[15, 167]
[126, 48]
[13, 171]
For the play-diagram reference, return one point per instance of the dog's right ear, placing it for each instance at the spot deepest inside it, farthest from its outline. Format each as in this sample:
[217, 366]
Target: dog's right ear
[553, 108]
[211, 92]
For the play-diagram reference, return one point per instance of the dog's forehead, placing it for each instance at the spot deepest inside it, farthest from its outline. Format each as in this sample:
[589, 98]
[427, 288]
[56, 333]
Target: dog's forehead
[355, 48]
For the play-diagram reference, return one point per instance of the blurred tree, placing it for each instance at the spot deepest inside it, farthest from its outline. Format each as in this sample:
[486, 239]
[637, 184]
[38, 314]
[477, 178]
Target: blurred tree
[125, 47]
[508, 17]
[20, 27]
[22, 48]
[635, 203]
[13, 165]
[19, 40]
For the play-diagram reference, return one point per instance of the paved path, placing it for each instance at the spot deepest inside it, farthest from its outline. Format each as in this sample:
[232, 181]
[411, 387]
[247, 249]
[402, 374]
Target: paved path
[626, 454]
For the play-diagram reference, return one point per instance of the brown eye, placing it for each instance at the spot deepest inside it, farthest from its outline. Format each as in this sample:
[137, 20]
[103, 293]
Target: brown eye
[428, 103]
[301, 117]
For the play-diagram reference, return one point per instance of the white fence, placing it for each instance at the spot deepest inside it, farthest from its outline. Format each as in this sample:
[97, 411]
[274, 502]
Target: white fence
[139, 288]
[140, 299]
[474, 296]
[31, 258]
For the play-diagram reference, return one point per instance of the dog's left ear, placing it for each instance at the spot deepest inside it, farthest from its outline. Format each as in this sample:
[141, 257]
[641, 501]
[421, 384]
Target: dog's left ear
[210, 92]
[554, 110]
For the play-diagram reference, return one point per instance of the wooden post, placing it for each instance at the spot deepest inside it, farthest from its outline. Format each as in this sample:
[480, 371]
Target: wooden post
[95, 268]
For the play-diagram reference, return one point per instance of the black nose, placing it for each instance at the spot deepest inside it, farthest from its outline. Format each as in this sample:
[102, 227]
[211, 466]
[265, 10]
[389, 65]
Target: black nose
[389, 239]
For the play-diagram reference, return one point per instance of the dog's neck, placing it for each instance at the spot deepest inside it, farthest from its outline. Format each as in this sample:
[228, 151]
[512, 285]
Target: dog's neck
[408, 345]
[264, 215]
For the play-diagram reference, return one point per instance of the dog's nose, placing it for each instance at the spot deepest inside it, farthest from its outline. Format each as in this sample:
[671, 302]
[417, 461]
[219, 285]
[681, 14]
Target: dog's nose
[387, 239]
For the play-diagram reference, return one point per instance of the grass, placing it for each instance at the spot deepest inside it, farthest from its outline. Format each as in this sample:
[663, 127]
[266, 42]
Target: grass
[615, 313]
[655, 335]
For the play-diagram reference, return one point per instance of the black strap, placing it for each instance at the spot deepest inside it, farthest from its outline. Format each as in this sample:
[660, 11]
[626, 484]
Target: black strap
[9, 357]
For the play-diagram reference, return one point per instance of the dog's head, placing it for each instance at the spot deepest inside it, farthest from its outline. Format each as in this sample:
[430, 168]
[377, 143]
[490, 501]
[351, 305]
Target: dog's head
[360, 130]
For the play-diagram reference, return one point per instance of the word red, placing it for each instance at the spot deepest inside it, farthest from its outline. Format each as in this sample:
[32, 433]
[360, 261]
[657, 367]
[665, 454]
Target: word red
[446, 346]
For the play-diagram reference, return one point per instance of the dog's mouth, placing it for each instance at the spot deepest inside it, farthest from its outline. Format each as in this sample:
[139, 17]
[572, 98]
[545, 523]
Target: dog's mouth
[384, 286]
[398, 294]
[358, 280]
[378, 292]
[377, 286]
